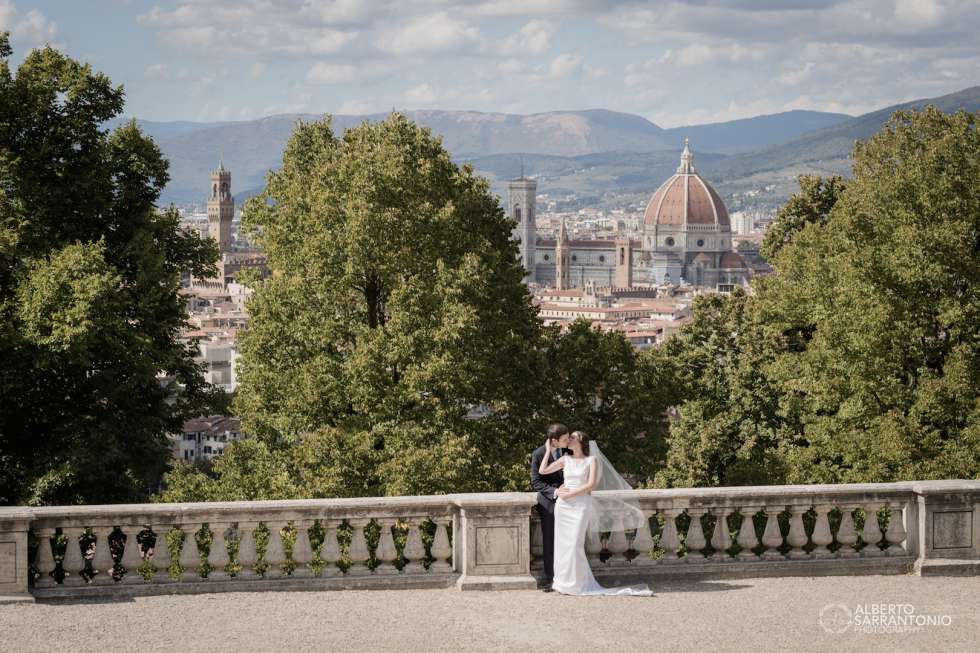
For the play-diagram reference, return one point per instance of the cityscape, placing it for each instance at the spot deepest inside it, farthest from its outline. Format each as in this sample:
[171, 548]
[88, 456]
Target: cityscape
[445, 312]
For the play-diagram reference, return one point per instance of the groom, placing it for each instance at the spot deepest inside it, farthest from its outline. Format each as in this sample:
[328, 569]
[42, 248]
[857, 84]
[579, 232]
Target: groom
[546, 485]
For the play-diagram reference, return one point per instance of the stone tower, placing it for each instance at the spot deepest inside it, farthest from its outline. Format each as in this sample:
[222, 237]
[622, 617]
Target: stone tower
[624, 262]
[562, 263]
[521, 194]
[221, 208]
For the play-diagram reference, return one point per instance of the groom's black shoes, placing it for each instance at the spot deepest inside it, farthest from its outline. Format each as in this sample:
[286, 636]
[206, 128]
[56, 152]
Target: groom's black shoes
[547, 589]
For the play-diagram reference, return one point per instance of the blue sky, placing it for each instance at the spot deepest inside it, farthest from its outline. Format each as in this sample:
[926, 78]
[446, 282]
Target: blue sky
[675, 63]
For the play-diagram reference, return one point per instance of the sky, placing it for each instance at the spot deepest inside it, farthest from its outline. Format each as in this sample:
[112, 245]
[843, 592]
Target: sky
[675, 63]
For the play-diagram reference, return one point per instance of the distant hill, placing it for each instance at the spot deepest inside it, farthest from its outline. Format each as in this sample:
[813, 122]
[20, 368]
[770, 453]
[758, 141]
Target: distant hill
[603, 158]
[753, 133]
[251, 148]
[831, 146]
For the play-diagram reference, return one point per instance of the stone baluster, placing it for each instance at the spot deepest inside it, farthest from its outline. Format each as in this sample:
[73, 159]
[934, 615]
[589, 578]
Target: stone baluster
[359, 553]
[593, 547]
[746, 534]
[386, 552]
[441, 550]
[643, 541]
[537, 545]
[414, 550]
[618, 545]
[721, 539]
[247, 554]
[797, 533]
[330, 552]
[822, 536]
[669, 541]
[846, 534]
[218, 556]
[871, 534]
[772, 538]
[132, 556]
[102, 562]
[275, 554]
[190, 555]
[73, 563]
[302, 549]
[896, 533]
[694, 541]
[45, 558]
[161, 553]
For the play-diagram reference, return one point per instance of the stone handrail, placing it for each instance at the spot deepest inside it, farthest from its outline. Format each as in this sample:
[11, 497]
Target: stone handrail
[482, 541]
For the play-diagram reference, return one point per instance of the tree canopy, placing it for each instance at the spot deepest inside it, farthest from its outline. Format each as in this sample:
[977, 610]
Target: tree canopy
[863, 348]
[90, 310]
[394, 310]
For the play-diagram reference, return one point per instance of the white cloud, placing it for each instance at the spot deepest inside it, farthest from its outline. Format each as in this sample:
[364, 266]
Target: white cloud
[32, 28]
[438, 32]
[325, 72]
[156, 71]
[421, 95]
[533, 38]
[358, 108]
[271, 28]
[564, 65]
[331, 73]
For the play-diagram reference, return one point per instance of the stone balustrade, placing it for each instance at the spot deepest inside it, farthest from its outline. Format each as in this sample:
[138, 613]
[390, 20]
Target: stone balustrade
[483, 541]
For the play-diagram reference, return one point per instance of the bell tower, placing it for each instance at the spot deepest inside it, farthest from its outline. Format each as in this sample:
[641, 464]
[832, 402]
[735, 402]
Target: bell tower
[521, 201]
[562, 254]
[221, 208]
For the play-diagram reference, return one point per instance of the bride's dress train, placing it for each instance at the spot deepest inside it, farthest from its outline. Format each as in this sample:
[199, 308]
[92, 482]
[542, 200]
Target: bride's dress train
[572, 572]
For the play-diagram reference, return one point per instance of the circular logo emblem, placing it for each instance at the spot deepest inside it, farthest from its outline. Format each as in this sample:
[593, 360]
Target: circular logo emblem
[835, 618]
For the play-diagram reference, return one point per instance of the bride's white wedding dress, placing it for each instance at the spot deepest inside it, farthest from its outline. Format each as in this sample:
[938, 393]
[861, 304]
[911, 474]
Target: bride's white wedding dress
[572, 572]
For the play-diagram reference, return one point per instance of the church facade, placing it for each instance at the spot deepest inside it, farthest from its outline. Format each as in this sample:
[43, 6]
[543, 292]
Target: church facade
[686, 236]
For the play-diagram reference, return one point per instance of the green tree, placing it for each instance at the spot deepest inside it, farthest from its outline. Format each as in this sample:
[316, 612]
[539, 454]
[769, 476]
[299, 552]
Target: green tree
[394, 308]
[601, 385]
[858, 360]
[812, 204]
[885, 304]
[730, 423]
[90, 310]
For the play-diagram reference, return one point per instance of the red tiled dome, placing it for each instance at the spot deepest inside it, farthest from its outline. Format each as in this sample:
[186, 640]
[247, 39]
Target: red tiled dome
[686, 198]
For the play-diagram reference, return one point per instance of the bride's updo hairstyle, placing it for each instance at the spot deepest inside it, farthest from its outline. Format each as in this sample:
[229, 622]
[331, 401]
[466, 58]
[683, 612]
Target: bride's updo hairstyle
[583, 439]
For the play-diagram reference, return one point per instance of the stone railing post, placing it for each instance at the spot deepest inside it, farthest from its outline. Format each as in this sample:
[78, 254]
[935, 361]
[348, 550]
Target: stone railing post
[495, 541]
[14, 524]
[946, 539]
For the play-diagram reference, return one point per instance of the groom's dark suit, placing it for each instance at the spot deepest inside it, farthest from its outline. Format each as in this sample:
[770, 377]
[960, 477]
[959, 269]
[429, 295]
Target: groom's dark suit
[546, 485]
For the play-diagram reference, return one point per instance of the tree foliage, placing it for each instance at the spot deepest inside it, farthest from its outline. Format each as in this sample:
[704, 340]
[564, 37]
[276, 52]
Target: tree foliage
[395, 308]
[601, 385]
[811, 205]
[865, 343]
[90, 310]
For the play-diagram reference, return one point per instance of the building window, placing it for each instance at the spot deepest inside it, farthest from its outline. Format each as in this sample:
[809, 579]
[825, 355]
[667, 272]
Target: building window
[517, 214]
[602, 259]
[669, 242]
[574, 258]
[622, 256]
[547, 258]
[700, 242]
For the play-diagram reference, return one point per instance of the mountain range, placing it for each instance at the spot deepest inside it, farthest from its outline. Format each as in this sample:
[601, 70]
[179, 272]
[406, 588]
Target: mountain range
[586, 158]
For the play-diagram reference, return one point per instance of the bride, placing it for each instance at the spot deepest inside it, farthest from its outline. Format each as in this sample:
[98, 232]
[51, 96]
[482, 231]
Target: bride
[576, 511]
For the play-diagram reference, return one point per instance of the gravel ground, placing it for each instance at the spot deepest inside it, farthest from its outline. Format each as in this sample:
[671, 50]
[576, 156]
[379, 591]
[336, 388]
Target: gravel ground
[768, 614]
